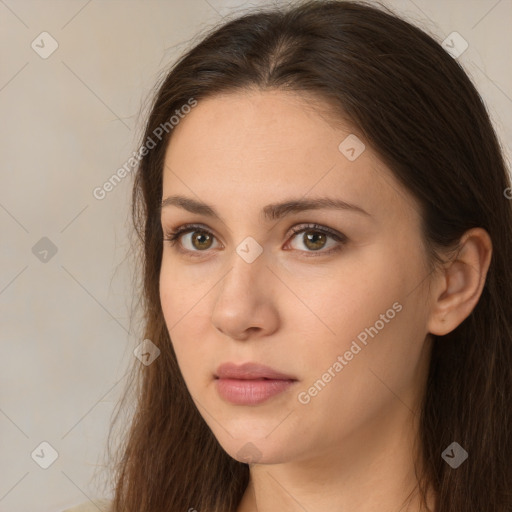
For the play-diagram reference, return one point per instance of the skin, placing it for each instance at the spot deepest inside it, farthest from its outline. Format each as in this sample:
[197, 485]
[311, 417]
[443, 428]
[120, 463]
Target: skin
[296, 309]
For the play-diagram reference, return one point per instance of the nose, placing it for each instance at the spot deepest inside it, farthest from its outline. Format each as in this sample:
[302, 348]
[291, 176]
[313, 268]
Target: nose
[246, 306]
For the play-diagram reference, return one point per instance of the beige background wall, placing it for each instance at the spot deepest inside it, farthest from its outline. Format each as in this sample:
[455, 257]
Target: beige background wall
[69, 121]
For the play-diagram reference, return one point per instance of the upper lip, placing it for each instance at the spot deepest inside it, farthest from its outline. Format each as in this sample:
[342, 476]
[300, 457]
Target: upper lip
[248, 371]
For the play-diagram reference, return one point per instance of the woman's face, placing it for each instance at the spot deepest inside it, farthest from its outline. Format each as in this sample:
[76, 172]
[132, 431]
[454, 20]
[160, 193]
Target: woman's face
[341, 308]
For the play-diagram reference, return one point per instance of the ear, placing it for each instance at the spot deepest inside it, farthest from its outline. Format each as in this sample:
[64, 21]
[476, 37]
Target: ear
[457, 288]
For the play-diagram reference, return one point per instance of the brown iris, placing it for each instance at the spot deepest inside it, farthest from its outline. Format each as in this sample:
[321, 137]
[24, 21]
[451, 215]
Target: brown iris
[204, 240]
[316, 239]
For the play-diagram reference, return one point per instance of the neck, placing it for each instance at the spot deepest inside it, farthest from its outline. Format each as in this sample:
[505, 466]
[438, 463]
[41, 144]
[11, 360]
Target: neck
[373, 471]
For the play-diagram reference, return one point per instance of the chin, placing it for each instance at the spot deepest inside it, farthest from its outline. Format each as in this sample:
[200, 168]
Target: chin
[255, 449]
[255, 453]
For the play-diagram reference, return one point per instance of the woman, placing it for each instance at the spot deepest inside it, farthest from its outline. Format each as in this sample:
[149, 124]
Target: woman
[322, 203]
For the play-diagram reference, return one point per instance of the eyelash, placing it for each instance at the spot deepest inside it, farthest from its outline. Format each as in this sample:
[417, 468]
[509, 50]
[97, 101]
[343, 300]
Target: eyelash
[173, 237]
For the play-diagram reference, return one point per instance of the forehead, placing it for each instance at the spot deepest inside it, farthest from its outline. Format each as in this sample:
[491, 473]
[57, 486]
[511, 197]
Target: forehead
[258, 122]
[256, 146]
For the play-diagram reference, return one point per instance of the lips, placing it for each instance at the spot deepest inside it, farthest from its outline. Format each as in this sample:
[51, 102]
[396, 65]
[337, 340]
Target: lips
[250, 383]
[250, 371]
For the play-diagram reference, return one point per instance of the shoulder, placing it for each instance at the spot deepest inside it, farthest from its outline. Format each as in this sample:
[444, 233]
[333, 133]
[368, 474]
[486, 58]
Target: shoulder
[89, 506]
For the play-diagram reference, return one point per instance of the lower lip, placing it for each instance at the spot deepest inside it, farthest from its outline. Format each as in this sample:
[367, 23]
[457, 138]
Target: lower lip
[251, 392]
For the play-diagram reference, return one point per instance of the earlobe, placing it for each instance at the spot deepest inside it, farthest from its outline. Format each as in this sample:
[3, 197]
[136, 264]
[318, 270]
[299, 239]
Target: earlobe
[460, 283]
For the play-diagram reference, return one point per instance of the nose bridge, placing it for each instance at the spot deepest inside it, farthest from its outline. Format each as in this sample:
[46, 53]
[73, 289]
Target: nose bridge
[247, 266]
[243, 307]
[243, 301]
[249, 250]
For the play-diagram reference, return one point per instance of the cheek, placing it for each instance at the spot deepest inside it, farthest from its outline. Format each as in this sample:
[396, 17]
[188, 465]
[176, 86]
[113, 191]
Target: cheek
[372, 359]
[177, 302]
[182, 291]
[365, 313]
[351, 382]
[342, 300]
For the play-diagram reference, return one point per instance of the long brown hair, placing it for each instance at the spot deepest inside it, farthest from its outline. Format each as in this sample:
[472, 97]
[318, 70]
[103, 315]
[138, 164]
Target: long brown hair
[415, 106]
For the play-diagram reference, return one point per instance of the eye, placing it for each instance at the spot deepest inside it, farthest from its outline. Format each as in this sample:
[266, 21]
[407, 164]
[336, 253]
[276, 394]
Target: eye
[315, 238]
[200, 240]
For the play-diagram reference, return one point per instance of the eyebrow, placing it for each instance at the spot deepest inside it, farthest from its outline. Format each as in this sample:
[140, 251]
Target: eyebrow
[271, 212]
